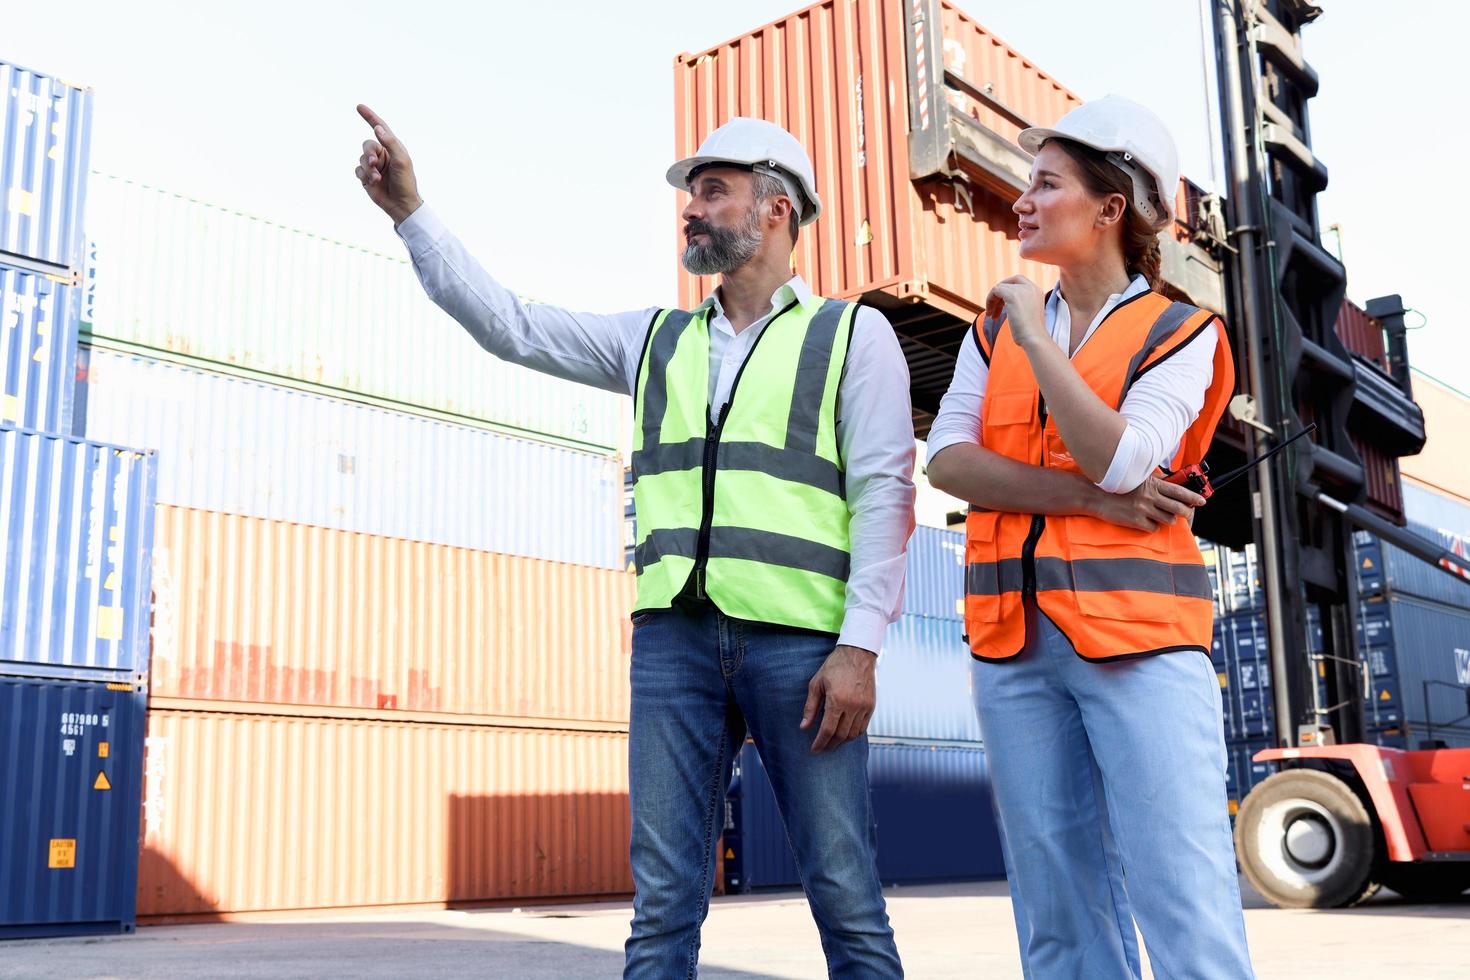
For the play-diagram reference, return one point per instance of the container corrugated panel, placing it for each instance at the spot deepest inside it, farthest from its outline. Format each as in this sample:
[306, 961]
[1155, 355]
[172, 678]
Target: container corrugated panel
[38, 349]
[255, 610]
[935, 584]
[1360, 333]
[261, 812]
[236, 292]
[1382, 487]
[835, 75]
[1431, 642]
[71, 776]
[924, 682]
[261, 450]
[931, 807]
[75, 582]
[45, 143]
[1382, 565]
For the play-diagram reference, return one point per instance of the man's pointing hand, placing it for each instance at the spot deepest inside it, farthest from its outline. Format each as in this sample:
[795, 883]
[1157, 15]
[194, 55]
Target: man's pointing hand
[385, 170]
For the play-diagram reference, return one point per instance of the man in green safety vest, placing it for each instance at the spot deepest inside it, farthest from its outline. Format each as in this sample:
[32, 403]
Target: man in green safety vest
[772, 465]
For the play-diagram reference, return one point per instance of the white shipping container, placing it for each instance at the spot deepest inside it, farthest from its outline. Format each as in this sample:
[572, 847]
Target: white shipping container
[229, 291]
[260, 450]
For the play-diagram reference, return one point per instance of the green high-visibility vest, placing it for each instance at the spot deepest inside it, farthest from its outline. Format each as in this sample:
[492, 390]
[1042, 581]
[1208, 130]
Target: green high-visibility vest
[744, 504]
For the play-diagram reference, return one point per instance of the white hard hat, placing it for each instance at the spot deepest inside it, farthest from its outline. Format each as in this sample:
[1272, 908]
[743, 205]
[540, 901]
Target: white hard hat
[1136, 142]
[754, 144]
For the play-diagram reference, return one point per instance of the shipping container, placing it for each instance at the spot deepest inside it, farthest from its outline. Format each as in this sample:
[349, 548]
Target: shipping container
[255, 610]
[935, 583]
[71, 776]
[38, 350]
[931, 808]
[1361, 334]
[45, 143]
[261, 450]
[75, 581]
[910, 113]
[209, 286]
[1425, 674]
[1384, 567]
[924, 682]
[256, 812]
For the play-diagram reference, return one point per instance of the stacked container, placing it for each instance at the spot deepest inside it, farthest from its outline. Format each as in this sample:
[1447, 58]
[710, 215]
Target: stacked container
[390, 632]
[1413, 624]
[926, 766]
[77, 521]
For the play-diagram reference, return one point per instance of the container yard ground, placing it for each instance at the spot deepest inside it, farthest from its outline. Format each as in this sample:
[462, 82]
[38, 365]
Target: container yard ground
[944, 931]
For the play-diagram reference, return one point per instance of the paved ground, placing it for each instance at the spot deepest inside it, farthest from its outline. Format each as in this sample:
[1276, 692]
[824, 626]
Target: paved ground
[944, 931]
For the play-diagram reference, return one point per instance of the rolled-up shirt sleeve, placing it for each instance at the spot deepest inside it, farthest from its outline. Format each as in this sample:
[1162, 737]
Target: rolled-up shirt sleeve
[875, 433]
[1160, 407]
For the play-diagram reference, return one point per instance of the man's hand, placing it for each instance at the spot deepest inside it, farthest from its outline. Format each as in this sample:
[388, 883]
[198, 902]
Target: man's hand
[1153, 504]
[386, 171]
[845, 693]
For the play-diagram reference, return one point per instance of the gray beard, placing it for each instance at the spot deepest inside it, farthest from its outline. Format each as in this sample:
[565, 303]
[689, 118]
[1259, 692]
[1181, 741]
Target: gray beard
[727, 249]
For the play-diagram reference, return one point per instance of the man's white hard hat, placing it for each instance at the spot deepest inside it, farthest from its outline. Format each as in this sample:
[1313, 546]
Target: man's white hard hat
[764, 147]
[1136, 142]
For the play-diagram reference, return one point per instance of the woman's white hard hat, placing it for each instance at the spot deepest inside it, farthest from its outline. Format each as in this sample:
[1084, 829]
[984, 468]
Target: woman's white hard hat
[1136, 142]
[764, 147]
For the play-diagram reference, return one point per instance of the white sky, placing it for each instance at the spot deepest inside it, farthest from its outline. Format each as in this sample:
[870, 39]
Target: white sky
[541, 131]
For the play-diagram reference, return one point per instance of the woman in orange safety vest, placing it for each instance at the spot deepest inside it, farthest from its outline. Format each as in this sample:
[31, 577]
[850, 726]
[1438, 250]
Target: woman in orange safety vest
[1087, 606]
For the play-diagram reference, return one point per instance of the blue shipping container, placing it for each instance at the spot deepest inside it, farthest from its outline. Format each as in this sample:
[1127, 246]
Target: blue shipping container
[924, 682]
[71, 778]
[76, 580]
[935, 583]
[931, 806]
[45, 137]
[38, 350]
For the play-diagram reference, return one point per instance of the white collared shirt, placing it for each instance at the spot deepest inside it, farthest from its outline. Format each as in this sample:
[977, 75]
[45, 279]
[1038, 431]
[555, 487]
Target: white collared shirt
[874, 429]
[1158, 409]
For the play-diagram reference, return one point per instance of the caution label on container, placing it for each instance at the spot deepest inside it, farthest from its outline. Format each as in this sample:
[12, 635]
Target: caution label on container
[101, 782]
[729, 854]
[63, 853]
[102, 750]
[109, 622]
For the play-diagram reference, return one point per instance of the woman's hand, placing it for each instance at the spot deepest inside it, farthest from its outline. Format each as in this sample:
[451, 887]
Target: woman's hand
[1020, 301]
[1155, 503]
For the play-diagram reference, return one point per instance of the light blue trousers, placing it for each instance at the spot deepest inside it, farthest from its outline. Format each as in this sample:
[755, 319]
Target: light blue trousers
[1109, 782]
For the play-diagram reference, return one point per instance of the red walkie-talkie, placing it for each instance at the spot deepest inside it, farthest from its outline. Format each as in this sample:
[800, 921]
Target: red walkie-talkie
[1196, 476]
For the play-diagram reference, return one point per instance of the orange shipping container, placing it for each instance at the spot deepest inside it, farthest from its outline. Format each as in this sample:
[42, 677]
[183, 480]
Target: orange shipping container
[253, 813]
[910, 110]
[256, 610]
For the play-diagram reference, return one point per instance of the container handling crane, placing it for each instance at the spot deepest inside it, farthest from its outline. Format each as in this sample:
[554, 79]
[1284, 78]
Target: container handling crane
[1340, 817]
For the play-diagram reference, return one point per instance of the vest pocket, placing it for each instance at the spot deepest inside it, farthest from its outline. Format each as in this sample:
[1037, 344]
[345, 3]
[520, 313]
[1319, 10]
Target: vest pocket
[1121, 573]
[982, 569]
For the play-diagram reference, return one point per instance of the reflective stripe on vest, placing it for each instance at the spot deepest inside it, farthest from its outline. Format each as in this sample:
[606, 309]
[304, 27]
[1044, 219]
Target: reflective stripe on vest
[755, 501]
[1115, 592]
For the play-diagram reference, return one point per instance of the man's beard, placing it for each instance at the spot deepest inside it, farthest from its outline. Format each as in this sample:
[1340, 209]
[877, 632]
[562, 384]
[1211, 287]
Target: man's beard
[726, 250]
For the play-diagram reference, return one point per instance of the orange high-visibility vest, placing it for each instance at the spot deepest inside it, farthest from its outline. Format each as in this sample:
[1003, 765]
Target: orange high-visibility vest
[1114, 591]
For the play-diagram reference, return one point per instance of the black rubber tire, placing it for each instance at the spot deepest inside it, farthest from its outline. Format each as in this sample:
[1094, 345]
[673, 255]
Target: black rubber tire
[1346, 877]
[1434, 882]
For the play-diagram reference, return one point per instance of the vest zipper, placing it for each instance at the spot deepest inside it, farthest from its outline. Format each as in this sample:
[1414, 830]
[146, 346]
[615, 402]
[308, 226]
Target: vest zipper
[712, 430]
[711, 448]
[1038, 521]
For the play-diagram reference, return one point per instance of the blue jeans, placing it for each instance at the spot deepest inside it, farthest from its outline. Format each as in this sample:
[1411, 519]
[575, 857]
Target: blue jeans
[1109, 782]
[699, 681]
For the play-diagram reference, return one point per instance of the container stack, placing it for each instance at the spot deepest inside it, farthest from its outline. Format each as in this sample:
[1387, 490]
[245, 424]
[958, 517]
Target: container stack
[77, 522]
[926, 766]
[1413, 624]
[390, 631]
